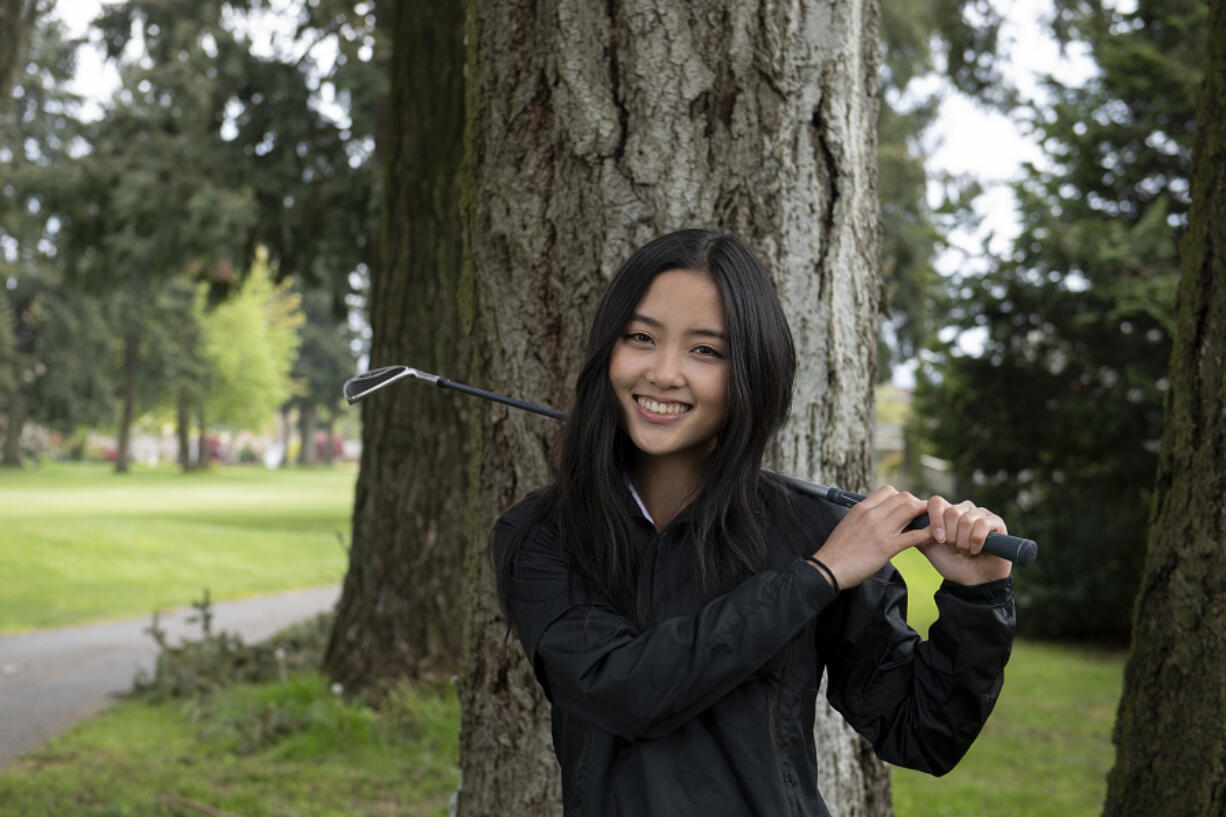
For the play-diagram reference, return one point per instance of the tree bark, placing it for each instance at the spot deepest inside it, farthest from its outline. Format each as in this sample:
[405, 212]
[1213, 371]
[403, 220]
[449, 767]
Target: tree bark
[399, 612]
[131, 361]
[593, 128]
[17, 20]
[183, 428]
[1170, 731]
[202, 450]
[330, 430]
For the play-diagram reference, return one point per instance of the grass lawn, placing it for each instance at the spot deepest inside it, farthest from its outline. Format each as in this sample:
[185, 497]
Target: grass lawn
[256, 751]
[79, 543]
[1045, 751]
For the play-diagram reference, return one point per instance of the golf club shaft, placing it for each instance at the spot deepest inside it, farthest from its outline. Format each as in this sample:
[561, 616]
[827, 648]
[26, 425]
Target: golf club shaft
[1016, 549]
[444, 383]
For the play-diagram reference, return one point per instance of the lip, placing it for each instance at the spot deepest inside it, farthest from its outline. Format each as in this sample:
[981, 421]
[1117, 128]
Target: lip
[653, 417]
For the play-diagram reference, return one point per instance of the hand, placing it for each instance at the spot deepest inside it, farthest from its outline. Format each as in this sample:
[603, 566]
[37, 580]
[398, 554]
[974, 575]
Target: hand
[871, 534]
[957, 536]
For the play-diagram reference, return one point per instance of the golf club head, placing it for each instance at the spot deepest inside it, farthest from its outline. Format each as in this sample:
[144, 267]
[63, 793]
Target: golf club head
[356, 388]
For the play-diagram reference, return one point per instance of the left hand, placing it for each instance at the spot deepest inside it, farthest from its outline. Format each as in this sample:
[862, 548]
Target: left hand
[956, 537]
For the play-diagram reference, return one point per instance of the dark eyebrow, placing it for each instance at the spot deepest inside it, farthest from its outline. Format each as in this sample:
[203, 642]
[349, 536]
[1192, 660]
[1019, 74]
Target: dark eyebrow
[703, 333]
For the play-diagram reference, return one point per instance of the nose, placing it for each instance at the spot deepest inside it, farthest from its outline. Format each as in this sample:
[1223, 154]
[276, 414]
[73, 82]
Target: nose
[666, 370]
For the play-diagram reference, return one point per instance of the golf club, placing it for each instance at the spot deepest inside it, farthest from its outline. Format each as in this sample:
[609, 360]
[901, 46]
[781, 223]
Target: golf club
[1020, 551]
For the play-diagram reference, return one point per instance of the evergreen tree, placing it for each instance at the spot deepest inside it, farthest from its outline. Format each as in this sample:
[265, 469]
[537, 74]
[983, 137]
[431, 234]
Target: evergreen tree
[209, 151]
[325, 360]
[920, 39]
[1055, 423]
[50, 335]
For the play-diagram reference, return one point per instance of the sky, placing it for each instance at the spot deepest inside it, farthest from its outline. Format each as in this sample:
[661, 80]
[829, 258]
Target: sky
[965, 139]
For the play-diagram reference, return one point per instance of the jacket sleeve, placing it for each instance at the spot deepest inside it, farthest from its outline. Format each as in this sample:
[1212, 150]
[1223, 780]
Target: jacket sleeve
[920, 703]
[595, 664]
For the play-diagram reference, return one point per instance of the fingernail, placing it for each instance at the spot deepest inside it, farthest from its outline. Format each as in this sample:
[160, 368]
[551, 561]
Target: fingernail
[939, 535]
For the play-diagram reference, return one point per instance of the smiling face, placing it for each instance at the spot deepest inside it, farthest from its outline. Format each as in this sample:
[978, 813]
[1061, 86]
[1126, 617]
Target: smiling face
[670, 368]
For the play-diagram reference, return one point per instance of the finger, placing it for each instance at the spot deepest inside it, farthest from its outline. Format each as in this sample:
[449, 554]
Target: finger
[953, 514]
[937, 507]
[997, 524]
[901, 509]
[966, 522]
[875, 499]
[909, 539]
[979, 534]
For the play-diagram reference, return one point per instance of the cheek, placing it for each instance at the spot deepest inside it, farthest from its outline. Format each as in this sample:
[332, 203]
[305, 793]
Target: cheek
[623, 372]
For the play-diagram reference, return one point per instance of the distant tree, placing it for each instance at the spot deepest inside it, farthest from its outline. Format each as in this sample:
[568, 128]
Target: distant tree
[398, 614]
[51, 337]
[250, 343]
[1055, 423]
[325, 360]
[57, 337]
[210, 150]
[921, 39]
[17, 21]
[1169, 733]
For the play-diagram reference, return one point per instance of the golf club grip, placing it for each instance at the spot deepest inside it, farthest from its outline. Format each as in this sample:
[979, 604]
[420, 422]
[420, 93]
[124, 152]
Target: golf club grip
[1020, 551]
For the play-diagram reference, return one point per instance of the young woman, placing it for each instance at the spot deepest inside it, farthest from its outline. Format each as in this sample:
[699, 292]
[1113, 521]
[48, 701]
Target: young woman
[679, 606]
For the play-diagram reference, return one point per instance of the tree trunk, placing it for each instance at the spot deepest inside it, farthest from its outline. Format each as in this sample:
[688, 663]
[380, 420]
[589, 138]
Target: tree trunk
[593, 128]
[330, 430]
[399, 610]
[202, 450]
[183, 428]
[17, 20]
[131, 361]
[1170, 731]
[12, 431]
[306, 432]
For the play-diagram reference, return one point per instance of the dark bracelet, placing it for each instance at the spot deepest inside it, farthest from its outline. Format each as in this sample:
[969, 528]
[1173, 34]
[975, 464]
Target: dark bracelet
[825, 569]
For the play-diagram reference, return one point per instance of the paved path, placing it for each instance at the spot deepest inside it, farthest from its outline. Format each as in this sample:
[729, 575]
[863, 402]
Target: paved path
[50, 679]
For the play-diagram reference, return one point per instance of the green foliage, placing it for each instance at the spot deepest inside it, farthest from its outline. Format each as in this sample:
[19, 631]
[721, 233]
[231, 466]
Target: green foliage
[1056, 423]
[917, 38]
[249, 343]
[51, 337]
[325, 358]
[212, 150]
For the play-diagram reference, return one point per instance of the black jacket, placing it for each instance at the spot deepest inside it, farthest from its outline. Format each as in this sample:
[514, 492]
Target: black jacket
[672, 719]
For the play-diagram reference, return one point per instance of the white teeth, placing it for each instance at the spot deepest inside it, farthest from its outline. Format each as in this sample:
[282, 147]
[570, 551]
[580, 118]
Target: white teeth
[662, 408]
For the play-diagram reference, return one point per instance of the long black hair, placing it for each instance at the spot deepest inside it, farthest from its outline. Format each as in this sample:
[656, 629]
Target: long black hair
[588, 497]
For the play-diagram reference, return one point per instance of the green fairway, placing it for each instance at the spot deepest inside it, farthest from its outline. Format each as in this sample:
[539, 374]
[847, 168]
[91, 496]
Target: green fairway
[256, 751]
[79, 543]
[1046, 749]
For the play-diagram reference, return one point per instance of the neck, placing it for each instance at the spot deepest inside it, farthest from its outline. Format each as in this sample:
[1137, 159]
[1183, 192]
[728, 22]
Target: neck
[667, 484]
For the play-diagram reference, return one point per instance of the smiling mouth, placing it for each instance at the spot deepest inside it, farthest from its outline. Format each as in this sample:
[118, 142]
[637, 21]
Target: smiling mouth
[656, 407]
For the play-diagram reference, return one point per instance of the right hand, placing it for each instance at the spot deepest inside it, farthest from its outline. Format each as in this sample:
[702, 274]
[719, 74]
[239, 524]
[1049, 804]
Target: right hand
[871, 534]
